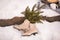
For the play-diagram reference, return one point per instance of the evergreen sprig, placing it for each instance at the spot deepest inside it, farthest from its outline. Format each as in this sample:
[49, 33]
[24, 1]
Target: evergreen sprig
[33, 15]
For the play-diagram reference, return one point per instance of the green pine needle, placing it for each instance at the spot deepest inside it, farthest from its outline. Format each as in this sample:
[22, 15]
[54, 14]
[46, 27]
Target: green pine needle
[33, 15]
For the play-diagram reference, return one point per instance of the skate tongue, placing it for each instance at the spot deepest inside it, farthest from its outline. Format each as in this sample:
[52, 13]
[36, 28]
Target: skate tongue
[23, 26]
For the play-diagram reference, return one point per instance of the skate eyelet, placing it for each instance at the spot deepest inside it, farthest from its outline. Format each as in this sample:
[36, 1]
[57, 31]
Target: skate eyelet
[35, 33]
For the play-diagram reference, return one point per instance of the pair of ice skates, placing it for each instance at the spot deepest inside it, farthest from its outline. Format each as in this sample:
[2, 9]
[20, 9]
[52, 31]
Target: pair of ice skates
[27, 28]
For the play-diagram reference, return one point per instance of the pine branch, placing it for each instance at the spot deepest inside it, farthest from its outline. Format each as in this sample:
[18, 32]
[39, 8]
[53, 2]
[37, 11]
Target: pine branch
[33, 15]
[20, 20]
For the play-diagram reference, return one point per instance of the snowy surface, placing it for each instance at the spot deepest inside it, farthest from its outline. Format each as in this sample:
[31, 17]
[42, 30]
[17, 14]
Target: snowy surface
[12, 8]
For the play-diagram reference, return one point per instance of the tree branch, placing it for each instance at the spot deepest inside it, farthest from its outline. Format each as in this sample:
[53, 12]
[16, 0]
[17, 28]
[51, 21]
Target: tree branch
[19, 20]
[13, 21]
[53, 19]
[44, 1]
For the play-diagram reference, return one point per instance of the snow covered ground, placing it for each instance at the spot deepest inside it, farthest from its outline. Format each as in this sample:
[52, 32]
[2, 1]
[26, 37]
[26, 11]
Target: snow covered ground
[12, 8]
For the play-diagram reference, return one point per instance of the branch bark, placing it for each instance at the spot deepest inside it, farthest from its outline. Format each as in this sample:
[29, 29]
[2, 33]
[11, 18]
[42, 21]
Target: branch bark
[13, 21]
[44, 1]
[52, 19]
[19, 20]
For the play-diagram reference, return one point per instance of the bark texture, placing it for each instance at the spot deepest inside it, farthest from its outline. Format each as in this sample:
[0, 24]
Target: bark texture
[19, 20]
[13, 21]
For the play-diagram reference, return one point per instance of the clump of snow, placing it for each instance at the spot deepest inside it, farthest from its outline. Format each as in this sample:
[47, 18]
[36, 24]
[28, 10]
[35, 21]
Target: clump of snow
[49, 12]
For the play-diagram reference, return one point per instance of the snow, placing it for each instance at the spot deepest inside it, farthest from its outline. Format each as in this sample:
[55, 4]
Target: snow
[12, 8]
[49, 13]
